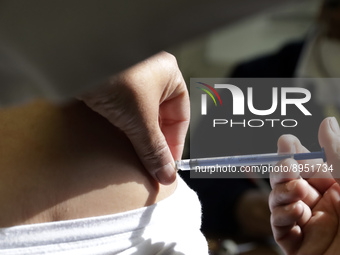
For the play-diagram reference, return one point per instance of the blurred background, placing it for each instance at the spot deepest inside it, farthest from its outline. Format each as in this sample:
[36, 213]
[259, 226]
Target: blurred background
[246, 36]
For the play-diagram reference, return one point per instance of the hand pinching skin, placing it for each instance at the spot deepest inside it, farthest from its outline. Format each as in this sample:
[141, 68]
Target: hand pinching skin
[149, 102]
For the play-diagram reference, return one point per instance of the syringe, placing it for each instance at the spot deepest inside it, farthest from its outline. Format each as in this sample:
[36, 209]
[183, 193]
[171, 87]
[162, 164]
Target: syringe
[246, 160]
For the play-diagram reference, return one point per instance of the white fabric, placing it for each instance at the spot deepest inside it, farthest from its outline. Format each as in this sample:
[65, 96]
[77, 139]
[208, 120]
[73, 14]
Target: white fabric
[171, 227]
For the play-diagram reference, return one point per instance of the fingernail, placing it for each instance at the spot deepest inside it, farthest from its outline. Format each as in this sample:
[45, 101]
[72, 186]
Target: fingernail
[334, 125]
[166, 175]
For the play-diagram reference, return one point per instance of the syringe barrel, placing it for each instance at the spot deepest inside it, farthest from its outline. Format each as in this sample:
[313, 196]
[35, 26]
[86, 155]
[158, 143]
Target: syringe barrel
[246, 160]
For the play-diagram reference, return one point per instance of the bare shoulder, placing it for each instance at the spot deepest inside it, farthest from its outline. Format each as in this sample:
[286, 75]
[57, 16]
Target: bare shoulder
[60, 163]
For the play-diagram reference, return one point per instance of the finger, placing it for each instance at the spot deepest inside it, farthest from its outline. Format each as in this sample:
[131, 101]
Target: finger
[291, 192]
[282, 176]
[329, 138]
[291, 144]
[174, 116]
[164, 137]
[286, 222]
[288, 238]
[154, 153]
[311, 169]
[320, 232]
[287, 144]
[286, 193]
[289, 215]
[334, 198]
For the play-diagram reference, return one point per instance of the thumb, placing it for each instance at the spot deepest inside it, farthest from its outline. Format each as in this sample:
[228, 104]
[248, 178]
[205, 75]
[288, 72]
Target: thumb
[329, 138]
[154, 153]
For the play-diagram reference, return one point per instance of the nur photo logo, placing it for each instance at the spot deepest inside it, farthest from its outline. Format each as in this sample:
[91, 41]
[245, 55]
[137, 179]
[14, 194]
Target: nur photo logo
[204, 97]
[283, 100]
